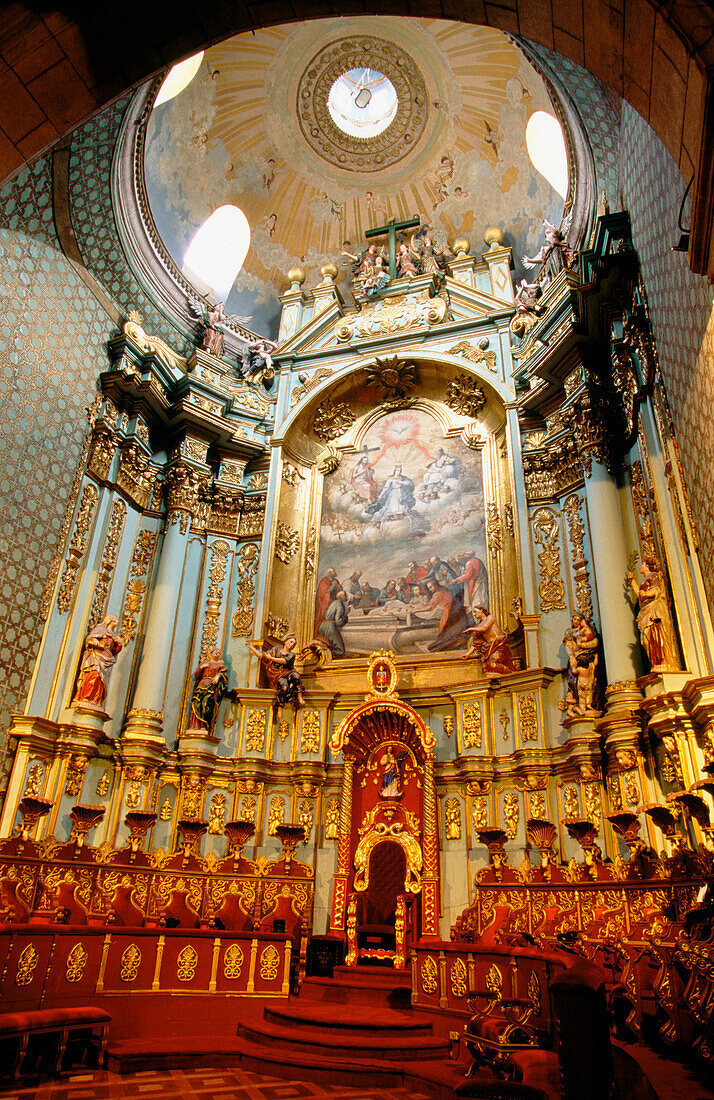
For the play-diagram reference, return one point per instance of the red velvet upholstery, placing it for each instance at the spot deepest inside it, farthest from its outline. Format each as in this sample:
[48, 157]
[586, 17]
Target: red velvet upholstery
[122, 909]
[178, 913]
[232, 916]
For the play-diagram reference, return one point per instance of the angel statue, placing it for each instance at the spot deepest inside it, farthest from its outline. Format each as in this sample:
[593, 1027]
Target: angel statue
[211, 325]
[552, 257]
[429, 258]
[278, 659]
[490, 644]
[257, 363]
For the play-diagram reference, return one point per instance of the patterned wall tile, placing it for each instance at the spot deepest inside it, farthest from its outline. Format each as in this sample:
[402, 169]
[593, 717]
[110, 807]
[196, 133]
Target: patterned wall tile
[94, 225]
[681, 309]
[52, 346]
[599, 112]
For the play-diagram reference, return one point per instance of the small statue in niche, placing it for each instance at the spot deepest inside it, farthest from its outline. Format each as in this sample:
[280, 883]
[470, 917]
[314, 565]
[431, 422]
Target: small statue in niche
[490, 644]
[552, 257]
[101, 648]
[528, 308]
[393, 774]
[256, 364]
[332, 820]
[279, 662]
[653, 617]
[210, 689]
[582, 646]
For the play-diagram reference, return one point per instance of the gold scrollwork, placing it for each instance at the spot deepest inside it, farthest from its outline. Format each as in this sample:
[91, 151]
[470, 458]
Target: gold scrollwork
[29, 957]
[551, 588]
[232, 962]
[332, 420]
[576, 533]
[269, 961]
[186, 963]
[527, 720]
[465, 396]
[130, 961]
[452, 817]
[406, 840]
[109, 557]
[76, 962]
[136, 585]
[85, 515]
[472, 726]
[511, 807]
[458, 978]
[429, 974]
[220, 553]
[287, 543]
[255, 730]
[276, 814]
[310, 733]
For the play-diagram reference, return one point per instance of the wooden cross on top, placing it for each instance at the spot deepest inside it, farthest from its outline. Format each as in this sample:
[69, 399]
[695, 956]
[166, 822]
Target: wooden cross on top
[391, 228]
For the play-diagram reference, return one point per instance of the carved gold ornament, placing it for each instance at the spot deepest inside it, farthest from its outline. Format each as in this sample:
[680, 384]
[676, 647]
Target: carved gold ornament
[83, 523]
[247, 809]
[165, 812]
[382, 674]
[232, 962]
[332, 819]
[26, 963]
[76, 962]
[474, 354]
[136, 585]
[103, 785]
[109, 557]
[472, 726]
[452, 814]
[287, 543]
[305, 818]
[252, 517]
[310, 733]
[465, 396]
[269, 961]
[429, 974]
[537, 807]
[255, 730]
[130, 961]
[395, 382]
[332, 420]
[458, 978]
[389, 316]
[527, 718]
[479, 813]
[551, 588]
[534, 992]
[220, 554]
[408, 842]
[576, 533]
[363, 154]
[312, 383]
[511, 805]
[494, 981]
[276, 814]
[34, 779]
[571, 806]
[217, 814]
[291, 475]
[186, 963]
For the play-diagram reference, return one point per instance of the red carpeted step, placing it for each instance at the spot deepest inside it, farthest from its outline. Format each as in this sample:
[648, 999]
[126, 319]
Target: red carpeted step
[378, 977]
[315, 1015]
[322, 1042]
[353, 987]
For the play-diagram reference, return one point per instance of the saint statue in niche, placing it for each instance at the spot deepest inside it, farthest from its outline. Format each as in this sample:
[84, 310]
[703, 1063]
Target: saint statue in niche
[393, 773]
[210, 688]
[653, 617]
[101, 647]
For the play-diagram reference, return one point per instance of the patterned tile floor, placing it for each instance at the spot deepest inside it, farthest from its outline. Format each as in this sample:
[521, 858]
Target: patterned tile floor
[223, 1084]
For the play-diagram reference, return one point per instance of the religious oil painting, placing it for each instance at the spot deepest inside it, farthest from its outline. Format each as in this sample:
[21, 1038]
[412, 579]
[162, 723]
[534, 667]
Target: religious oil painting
[402, 542]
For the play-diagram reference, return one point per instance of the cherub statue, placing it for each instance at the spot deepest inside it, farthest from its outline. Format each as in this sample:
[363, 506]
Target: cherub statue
[653, 617]
[101, 648]
[582, 645]
[555, 255]
[211, 687]
[257, 364]
[490, 644]
[528, 308]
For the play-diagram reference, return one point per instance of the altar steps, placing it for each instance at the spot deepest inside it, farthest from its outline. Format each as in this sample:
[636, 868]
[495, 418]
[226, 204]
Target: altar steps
[337, 1039]
[359, 985]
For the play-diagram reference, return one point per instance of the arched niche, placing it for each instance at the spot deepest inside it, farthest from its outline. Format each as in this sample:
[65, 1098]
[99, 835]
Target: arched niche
[370, 485]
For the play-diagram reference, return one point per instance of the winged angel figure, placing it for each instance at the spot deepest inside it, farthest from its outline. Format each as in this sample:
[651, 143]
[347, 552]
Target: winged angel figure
[553, 256]
[256, 363]
[279, 657]
[212, 324]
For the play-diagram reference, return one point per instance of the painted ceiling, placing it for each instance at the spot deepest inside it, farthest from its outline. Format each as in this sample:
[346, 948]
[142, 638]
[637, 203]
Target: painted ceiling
[251, 129]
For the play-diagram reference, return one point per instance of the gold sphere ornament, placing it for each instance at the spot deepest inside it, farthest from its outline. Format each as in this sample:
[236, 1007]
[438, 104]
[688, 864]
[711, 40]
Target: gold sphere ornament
[461, 246]
[296, 275]
[493, 236]
[329, 271]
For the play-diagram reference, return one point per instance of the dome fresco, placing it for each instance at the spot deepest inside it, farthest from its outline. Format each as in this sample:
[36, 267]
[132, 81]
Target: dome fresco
[253, 129]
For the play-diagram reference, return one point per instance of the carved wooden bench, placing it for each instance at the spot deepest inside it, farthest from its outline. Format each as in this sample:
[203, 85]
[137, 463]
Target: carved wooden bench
[51, 1039]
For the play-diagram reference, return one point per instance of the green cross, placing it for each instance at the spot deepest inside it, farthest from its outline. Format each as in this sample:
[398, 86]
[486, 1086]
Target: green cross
[391, 228]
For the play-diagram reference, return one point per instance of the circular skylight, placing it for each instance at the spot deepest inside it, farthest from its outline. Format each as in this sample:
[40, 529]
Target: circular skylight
[362, 102]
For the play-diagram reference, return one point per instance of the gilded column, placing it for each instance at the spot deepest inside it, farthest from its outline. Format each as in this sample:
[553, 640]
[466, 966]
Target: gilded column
[342, 874]
[145, 719]
[430, 888]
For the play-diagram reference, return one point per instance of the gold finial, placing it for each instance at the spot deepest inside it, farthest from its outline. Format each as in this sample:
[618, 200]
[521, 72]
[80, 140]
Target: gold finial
[493, 236]
[296, 275]
[329, 271]
[461, 246]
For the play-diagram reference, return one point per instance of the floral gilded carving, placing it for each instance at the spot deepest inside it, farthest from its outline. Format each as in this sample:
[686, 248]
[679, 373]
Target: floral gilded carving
[109, 557]
[465, 396]
[287, 543]
[136, 585]
[576, 533]
[85, 516]
[246, 566]
[332, 419]
[551, 588]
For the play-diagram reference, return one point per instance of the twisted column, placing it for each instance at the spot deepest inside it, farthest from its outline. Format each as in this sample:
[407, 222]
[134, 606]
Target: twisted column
[341, 878]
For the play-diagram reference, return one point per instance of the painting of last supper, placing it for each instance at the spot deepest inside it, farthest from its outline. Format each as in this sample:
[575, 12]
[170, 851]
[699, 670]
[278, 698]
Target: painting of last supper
[402, 541]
